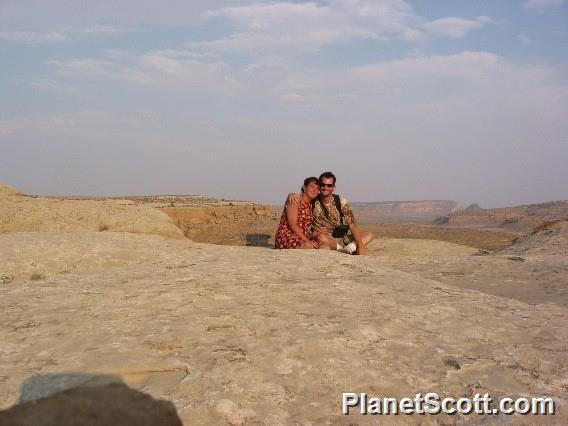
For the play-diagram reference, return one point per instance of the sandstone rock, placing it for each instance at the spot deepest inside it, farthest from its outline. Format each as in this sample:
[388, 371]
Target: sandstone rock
[19, 213]
[549, 238]
[172, 216]
[235, 335]
[37, 255]
[6, 191]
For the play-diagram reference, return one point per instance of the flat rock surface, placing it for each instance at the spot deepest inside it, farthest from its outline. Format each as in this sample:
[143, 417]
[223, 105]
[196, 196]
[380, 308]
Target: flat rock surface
[533, 270]
[244, 335]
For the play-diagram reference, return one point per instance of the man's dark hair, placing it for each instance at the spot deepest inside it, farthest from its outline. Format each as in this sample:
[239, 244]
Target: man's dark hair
[327, 175]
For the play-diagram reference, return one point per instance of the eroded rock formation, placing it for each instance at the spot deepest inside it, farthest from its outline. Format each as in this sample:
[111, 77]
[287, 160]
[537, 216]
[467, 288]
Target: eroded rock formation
[521, 218]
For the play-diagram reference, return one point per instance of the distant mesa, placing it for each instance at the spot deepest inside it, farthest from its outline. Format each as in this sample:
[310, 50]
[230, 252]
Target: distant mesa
[474, 207]
[404, 211]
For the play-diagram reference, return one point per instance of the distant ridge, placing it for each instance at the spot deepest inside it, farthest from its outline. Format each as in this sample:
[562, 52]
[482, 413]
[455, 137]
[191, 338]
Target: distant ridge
[522, 218]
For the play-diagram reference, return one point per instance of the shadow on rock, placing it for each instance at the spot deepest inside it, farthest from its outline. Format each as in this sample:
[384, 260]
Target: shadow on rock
[83, 399]
[258, 240]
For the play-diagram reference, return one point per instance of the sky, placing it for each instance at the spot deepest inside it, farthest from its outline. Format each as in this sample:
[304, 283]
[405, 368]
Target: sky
[243, 99]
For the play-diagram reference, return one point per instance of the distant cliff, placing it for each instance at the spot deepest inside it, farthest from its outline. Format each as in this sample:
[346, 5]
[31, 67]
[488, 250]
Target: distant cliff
[519, 218]
[404, 211]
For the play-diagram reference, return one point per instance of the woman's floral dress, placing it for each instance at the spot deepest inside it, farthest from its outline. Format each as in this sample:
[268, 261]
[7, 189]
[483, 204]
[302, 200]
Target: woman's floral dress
[285, 237]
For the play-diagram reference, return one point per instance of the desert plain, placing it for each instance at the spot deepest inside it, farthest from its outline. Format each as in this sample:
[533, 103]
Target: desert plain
[129, 290]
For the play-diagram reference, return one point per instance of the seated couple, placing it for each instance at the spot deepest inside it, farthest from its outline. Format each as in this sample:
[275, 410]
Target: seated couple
[312, 219]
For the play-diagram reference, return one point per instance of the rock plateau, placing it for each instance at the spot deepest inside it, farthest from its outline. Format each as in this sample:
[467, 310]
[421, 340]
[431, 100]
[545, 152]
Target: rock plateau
[248, 335]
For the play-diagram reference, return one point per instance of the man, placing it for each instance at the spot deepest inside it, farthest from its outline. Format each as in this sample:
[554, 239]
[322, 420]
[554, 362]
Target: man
[327, 217]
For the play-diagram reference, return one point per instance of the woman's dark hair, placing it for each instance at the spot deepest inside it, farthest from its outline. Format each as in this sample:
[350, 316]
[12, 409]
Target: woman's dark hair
[309, 180]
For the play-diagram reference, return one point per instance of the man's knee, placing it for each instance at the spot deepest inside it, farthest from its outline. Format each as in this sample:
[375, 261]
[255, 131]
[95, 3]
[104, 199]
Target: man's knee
[326, 239]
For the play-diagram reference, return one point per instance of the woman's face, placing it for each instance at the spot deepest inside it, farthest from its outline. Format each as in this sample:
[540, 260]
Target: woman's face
[312, 190]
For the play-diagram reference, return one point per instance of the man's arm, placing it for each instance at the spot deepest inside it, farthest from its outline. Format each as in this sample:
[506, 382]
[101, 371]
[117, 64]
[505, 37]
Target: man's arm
[356, 235]
[293, 199]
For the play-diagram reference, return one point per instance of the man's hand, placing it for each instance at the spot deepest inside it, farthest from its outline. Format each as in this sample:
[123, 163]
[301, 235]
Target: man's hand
[293, 199]
[361, 251]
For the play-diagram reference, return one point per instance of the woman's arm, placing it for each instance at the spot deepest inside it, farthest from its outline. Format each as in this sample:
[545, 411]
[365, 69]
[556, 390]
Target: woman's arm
[292, 216]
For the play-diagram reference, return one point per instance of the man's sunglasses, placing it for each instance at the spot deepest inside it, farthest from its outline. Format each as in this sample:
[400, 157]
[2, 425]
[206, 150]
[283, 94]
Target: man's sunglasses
[326, 185]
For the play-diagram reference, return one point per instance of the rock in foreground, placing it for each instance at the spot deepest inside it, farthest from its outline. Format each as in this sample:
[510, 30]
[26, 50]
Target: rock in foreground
[235, 335]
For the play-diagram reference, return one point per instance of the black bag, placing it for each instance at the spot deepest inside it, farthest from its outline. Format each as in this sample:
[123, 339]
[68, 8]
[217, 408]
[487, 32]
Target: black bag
[340, 230]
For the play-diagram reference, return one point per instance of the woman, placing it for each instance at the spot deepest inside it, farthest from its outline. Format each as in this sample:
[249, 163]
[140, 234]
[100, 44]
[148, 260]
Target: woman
[294, 231]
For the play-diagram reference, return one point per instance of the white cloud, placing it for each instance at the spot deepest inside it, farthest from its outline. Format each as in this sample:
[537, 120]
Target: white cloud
[53, 86]
[287, 28]
[525, 40]
[104, 30]
[42, 15]
[61, 34]
[115, 53]
[454, 27]
[294, 28]
[43, 123]
[168, 69]
[542, 4]
[88, 68]
[29, 37]
[186, 70]
[425, 78]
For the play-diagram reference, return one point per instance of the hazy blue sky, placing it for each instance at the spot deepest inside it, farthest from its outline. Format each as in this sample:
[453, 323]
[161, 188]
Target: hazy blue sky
[404, 100]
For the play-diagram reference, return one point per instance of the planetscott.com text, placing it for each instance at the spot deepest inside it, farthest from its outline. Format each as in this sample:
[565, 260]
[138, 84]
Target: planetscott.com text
[432, 403]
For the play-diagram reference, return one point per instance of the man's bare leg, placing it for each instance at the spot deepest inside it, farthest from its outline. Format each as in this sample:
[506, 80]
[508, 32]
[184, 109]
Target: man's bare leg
[367, 237]
[327, 242]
